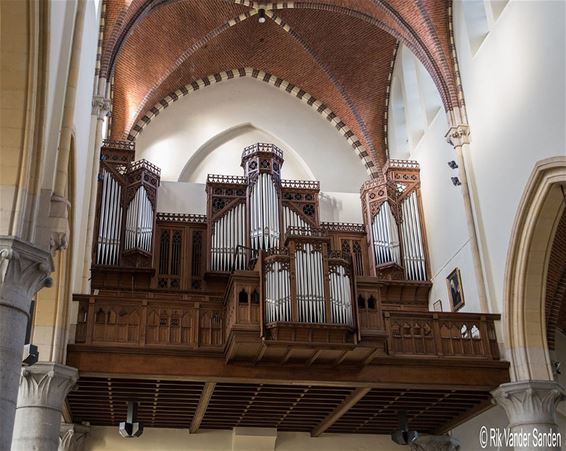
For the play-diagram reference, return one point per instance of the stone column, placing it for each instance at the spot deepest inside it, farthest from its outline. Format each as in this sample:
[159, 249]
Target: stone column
[435, 443]
[24, 269]
[72, 437]
[43, 388]
[100, 109]
[459, 137]
[531, 409]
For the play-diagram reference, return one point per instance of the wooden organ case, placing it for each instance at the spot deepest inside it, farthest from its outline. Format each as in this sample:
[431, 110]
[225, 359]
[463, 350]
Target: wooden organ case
[260, 289]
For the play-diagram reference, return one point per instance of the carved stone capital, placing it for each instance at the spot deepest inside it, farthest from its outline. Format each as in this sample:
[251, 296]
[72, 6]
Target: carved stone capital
[101, 106]
[46, 385]
[435, 443]
[58, 242]
[72, 436]
[530, 402]
[24, 270]
[458, 135]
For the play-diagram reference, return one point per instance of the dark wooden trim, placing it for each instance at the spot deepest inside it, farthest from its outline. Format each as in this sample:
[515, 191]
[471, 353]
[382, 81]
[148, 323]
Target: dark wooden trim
[411, 372]
[207, 393]
[346, 405]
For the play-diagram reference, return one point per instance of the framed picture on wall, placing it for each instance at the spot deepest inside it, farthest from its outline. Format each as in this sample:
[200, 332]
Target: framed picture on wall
[455, 290]
[437, 306]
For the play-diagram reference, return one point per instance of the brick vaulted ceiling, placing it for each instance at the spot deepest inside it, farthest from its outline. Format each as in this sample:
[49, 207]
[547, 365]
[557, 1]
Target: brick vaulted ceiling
[340, 52]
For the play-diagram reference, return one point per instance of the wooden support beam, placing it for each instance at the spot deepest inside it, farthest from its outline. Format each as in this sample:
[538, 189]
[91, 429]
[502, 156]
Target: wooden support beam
[207, 392]
[313, 358]
[346, 405]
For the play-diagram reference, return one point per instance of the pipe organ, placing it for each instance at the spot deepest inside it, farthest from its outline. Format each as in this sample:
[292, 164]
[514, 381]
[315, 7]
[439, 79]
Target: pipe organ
[258, 223]
[126, 207]
[391, 210]
[251, 213]
[306, 281]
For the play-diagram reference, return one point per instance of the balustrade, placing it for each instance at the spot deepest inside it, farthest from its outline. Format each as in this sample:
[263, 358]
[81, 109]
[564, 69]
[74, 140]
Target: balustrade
[146, 323]
[442, 334]
[192, 325]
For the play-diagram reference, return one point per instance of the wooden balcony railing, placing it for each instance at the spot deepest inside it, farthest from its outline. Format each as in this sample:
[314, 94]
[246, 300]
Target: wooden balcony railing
[467, 335]
[150, 323]
[205, 324]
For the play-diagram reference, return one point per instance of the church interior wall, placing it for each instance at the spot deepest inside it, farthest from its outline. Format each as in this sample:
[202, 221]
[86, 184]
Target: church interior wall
[172, 138]
[104, 438]
[514, 87]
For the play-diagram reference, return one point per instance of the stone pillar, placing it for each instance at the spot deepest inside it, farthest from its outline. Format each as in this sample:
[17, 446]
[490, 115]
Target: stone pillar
[24, 269]
[43, 388]
[459, 137]
[531, 409]
[435, 443]
[72, 437]
[100, 109]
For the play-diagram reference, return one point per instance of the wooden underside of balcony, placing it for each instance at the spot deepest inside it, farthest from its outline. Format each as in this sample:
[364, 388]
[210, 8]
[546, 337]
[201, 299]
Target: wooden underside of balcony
[184, 390]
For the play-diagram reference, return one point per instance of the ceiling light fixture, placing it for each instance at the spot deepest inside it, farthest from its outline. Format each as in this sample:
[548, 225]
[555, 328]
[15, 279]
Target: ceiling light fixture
[261, 13]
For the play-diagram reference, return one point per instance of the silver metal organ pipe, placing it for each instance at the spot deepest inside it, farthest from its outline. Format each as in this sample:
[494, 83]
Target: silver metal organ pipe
[411, 239]
[418, 237]
[115, 201]
[110, 234]
[101, 244]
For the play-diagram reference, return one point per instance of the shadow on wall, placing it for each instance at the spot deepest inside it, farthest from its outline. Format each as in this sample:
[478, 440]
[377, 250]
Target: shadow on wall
[331, 205]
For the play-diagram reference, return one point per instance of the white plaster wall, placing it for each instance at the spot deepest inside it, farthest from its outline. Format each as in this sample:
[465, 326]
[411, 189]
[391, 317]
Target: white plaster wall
[191, 123]
[179, 197]
[445, 220]
[443, 205]
[340, 207]
[153, 439]
[515, 94]
[514, 90]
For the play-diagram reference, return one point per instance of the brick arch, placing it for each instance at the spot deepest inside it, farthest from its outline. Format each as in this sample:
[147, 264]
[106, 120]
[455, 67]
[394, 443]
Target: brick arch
[283, 85]
[392, 22]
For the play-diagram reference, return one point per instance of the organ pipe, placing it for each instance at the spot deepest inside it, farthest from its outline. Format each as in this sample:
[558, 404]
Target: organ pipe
[278, 297]
[264, 214]
[292, 219]
[413, 249]
[341, 296]
[110, 222]
[228, 234]
[139, 222]
[310, 284]
[385, 236]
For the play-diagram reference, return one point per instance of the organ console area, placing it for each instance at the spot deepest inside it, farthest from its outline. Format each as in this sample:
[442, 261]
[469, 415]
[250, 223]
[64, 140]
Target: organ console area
[254, 292]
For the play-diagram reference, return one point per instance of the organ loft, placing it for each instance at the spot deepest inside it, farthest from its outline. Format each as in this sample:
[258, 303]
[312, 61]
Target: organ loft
[259, 314]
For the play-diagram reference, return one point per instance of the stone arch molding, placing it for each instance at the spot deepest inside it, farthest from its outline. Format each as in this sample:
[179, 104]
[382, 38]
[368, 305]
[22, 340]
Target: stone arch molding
[277, 82]
[527, 263]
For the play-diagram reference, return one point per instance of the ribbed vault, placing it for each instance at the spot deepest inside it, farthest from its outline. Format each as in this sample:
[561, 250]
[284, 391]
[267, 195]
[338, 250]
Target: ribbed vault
[339, 51]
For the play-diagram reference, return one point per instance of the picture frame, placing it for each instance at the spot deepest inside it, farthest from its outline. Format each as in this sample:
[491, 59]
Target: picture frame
[455, 290]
